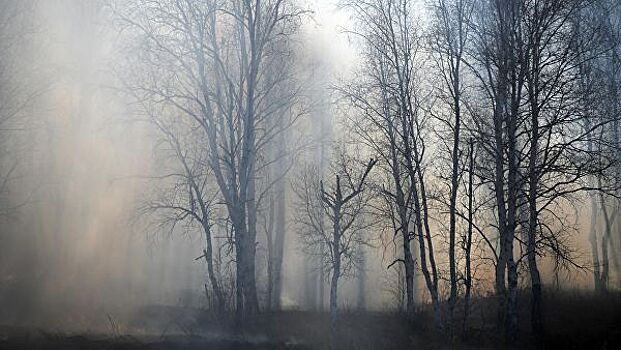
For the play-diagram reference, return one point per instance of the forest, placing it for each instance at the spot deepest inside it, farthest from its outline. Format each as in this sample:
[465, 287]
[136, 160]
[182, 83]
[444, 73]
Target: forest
[310, 174]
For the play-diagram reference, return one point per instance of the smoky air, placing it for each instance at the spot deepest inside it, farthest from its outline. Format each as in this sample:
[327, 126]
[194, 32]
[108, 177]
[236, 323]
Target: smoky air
[310, 174]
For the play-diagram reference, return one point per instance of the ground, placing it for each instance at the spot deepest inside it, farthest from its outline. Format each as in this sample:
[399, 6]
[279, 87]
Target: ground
[573, 321]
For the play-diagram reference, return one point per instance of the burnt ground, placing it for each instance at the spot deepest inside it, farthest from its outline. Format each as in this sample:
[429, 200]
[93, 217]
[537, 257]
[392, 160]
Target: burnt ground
[573, 321]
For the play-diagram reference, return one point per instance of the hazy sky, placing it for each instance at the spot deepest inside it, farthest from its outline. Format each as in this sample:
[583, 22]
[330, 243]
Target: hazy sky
[327, 33]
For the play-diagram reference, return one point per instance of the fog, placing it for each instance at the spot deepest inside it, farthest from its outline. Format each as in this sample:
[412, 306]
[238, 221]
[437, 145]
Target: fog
[111, 186]
[76, 253]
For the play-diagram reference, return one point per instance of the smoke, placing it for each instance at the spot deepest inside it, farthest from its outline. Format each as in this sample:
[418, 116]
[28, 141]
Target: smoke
[72, 251]
[69, 253]
[75, 251]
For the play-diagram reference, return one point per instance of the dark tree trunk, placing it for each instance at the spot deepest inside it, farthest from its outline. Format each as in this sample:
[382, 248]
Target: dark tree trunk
[468, 243]
[208, 254]
[453, 198]
[269, 232]
[597, 277]
[362, 281]
[605, 268]
[533, 179]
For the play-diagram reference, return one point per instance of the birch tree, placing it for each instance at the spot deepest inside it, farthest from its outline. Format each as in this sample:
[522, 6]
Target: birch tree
[497, 54]
[527, 71]
[387, 30]
[596, 39]
[449, 37]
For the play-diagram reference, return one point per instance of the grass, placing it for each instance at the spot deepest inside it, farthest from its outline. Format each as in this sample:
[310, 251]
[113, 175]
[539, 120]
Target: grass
[573, 320]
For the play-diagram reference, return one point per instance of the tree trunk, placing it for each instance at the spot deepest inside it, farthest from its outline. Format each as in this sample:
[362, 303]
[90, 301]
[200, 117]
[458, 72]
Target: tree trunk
[251, 302]
[511, 325]
[336, 256]
[362, 281]
[403, 222]
[433, 291]
[605, 273]
[269, 232]
[247, 165]
[597, 277]
[321, 285]
[208, 254]
[334, 283]
[468, 245]
[279, 245]
[453, 200]
[501, 264]
[239, 283]
[535, 278]
[336, 274]
[407, 253]
[424, 233]
[409, 272]
[499, 117]
[533, 177]
[245, 253]
[511, 322]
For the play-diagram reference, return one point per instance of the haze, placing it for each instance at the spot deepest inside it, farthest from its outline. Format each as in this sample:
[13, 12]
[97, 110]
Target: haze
[310, 173]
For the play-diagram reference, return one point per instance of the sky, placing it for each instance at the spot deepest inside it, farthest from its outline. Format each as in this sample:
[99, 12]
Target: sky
[326, 32]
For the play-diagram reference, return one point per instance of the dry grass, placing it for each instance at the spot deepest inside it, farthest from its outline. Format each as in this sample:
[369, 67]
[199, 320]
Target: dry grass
[574, 320]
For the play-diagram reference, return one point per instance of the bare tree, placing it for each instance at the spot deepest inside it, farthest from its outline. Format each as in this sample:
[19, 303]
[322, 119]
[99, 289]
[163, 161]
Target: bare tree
[467, 242]
[502, 79]
[219, 65]
[525, 62]
[395, 128]
[343, 203]
[596, 38]
[449, 44]
[559, 161]
[189, 196]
